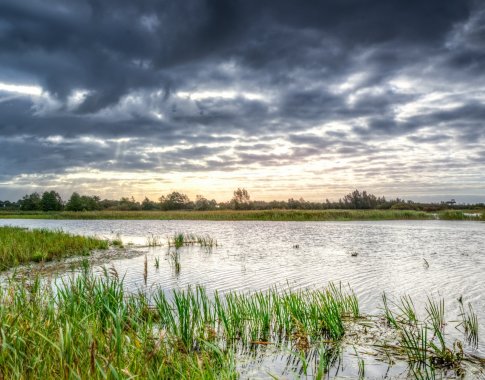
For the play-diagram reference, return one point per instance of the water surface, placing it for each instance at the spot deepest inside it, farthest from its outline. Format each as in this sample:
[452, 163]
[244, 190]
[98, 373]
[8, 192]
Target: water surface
[420, 258]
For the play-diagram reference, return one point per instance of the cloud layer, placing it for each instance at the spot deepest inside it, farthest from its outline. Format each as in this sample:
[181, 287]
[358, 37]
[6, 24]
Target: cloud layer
[283, 98]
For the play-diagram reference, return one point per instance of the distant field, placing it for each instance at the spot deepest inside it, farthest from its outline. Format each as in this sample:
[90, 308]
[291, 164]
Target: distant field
[275, 215]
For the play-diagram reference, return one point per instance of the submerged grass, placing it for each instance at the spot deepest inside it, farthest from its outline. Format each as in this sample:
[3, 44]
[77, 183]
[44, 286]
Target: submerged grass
[19, 246]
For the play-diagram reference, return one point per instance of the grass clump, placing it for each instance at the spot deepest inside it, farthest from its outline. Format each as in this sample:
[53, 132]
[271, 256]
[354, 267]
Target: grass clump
[19, 245]
[424, 343]
[117, 241]
[461, 215]
[153, 241]
[469, 323]
[180, 240]
[88, 327]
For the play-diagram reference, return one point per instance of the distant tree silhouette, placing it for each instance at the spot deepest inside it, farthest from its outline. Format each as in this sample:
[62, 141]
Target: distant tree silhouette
[174, 201]
[83, 203]
[203, 204]
[147, 204]
[31, 202]
[51, 201]
[74, 203]
[240, 199]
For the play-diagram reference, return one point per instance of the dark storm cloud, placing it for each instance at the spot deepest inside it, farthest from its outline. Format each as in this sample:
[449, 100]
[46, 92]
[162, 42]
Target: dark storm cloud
[114, 47]
[162, 79]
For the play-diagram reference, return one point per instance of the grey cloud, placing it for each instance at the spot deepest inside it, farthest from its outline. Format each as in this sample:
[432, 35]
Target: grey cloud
[437, 138]
[323, 73]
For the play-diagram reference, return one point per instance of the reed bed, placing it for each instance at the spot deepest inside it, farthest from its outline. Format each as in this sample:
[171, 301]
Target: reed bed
[88, 327]
[19, 246]
[269, 215]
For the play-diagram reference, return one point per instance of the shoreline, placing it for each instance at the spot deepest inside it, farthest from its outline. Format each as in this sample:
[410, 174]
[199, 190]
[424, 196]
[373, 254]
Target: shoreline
[253, 215]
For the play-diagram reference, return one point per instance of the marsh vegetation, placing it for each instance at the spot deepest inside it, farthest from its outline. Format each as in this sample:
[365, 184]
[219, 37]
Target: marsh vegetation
[264, 215]
[88, 327]
[20, 246]
[95, 323]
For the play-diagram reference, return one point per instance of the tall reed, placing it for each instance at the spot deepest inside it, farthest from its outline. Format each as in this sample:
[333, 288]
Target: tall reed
[89, 327]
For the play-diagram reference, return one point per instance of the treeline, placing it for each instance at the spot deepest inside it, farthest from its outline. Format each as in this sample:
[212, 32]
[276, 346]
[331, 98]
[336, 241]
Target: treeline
[241, 200]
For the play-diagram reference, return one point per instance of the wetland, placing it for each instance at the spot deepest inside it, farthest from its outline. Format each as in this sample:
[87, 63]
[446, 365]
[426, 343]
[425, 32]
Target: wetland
[257, 299]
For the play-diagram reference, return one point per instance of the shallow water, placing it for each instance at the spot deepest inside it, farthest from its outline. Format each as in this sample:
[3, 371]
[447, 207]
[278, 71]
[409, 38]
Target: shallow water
[391, 257]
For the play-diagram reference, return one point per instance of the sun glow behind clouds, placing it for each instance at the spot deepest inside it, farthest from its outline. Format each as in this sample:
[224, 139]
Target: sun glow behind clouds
[21, 89]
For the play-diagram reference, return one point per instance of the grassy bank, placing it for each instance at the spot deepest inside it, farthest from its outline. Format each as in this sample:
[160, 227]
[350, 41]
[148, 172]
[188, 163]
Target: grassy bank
[273, 215]
[19, 246]
[462, 215]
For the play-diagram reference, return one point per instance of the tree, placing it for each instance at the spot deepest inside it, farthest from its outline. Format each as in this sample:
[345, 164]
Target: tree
[147, 204]
[83, 203]
[129, 204]
[358, 200]
[174, 201]
[31, 202]
[203, 204]
[241, 199]
[51, 201]
[91, 203]
[7, 205]
[74, 203]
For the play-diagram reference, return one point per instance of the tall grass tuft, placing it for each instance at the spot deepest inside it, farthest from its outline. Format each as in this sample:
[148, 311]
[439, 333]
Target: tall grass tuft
[436, 313]
[117, 242]
[388, 313]
[154, 240]
[469, 322]
[407, 309]
[180, 240]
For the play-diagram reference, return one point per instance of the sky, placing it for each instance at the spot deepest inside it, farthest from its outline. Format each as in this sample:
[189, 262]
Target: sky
[285, 98]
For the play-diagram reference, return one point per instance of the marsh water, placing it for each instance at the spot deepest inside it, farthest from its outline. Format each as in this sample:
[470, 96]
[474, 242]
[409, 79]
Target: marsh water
[441, 259]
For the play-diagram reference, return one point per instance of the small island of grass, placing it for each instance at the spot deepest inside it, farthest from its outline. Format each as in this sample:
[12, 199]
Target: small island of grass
[20, 246]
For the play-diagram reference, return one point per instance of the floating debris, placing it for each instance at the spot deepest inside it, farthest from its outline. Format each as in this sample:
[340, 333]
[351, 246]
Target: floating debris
[426, 264]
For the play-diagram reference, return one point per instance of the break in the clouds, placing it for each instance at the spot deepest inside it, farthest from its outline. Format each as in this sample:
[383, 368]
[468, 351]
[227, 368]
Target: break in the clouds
[286, 98]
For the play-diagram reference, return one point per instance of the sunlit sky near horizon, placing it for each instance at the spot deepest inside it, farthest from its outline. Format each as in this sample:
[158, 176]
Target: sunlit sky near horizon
[285, 98]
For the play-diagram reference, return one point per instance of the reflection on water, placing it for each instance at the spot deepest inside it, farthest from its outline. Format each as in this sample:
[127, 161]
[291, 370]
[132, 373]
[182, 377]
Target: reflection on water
[419, 258]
